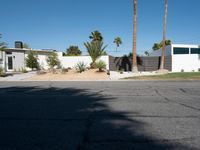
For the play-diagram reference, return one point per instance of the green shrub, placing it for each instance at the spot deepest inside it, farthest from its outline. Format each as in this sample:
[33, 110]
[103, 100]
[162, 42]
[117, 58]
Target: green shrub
[2, 72]
[101, 65]
[52, 60]
[80, 67]
[32, 60]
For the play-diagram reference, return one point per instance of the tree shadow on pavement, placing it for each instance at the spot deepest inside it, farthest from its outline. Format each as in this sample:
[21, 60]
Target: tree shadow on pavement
[71, 119]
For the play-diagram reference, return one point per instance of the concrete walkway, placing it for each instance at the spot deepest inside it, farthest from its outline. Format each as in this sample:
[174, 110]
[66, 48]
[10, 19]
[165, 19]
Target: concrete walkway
[18, 77]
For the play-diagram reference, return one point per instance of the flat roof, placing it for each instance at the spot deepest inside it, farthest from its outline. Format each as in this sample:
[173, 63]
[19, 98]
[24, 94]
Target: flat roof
[186, 45]
[35, 50]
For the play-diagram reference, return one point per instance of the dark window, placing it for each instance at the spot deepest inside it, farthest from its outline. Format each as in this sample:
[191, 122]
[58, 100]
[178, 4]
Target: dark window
[178, 50]
[8, 53]
[195, 50]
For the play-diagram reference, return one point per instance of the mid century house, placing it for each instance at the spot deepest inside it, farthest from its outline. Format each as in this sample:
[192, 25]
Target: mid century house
[14, 58]
[184, 57]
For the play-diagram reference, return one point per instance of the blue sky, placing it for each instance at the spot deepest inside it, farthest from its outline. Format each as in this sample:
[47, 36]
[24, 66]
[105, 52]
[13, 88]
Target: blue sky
[57, 24]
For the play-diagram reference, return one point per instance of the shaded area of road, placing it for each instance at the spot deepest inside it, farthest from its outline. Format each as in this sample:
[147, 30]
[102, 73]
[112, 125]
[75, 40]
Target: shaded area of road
[81, 116]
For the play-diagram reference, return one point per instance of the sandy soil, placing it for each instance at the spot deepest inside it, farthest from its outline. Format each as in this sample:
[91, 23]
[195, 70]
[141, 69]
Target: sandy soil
[72, 75]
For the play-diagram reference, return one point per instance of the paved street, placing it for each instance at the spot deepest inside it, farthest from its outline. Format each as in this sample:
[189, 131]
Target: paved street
[100, 115]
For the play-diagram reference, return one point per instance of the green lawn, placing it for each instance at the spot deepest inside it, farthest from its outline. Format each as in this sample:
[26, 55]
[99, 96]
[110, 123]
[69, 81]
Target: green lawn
[171, 76]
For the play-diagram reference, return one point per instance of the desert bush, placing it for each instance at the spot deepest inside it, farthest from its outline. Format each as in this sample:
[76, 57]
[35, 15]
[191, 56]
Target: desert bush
[80, 67]
[23, 70]
[52, 60]
[32, 60]
[64, 70]
[101, 65]
[2, 73]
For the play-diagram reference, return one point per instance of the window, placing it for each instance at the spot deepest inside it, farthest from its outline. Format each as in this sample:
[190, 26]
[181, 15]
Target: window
[195, 50]
[178, 50]
[8, 53]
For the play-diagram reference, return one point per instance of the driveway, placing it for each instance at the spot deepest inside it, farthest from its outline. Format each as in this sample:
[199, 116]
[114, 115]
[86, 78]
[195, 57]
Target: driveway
[100, 115]
[18, 77]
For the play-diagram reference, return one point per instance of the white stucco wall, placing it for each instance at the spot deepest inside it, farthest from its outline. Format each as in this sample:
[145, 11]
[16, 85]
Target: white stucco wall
[41, 59]
[187, 62]
[71, 61]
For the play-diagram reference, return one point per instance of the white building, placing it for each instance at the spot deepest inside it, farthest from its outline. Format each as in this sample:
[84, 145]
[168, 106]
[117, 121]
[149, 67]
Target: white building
[184, 57]
[13, 59]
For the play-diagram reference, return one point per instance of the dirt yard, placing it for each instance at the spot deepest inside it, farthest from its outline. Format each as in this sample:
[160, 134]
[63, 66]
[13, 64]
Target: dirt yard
[72, 75]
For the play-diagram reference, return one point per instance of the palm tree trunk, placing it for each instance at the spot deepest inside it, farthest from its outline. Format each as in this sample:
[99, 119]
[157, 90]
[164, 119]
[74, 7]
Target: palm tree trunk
[164, 36]
[135, 68]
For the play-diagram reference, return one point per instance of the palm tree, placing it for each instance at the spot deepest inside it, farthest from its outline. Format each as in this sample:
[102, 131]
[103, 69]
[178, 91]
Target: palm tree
[158, 46]
[134, 67]
[96, 36]
[118, 42]
[164, 37]
[95, 50]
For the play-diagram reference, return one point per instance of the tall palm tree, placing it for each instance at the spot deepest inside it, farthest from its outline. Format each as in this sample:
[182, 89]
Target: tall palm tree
[96, 36]
[134, 67]
[164, 36]
[118, 42]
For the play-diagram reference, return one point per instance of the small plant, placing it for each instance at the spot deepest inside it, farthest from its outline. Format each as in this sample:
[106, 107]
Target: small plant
[199, 69]
[64, 70]
[23, 70]
[2, 73]
[80, 67]
[182, 70]
[101, 65]
[53, 61]
[32, 60]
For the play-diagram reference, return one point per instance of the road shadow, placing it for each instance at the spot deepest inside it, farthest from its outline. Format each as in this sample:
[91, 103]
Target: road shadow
[69, 118]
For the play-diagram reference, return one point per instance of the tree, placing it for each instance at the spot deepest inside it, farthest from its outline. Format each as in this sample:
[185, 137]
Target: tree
[52, 60]
[164, 36]
[146, 53]
[25, 45]
[135, 67]
[32, 60]
[118, 42]
[96, 36]
[95, 49]
[73, 51]
[158, 46]
[3, 45]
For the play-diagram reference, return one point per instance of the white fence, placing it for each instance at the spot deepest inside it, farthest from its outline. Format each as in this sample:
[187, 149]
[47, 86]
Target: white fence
[71, 61]
[188, 63]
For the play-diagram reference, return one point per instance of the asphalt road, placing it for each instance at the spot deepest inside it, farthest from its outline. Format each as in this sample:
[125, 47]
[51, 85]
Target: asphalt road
[100, 115]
